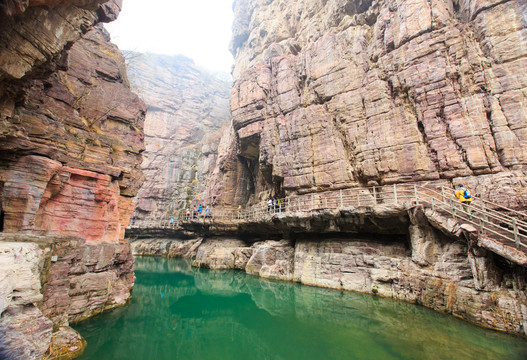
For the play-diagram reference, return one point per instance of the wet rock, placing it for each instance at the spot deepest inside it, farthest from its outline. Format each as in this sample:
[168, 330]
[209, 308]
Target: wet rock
[218, 254]
[67, 343]
[272, 260]
[166, 247]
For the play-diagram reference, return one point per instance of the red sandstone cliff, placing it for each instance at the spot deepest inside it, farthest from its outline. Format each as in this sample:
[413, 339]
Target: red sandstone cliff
[186, 108]
[71, 137]
[335, 94]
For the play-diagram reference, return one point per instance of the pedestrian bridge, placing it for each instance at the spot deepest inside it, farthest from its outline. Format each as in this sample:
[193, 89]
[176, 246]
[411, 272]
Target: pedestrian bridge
[492, 221]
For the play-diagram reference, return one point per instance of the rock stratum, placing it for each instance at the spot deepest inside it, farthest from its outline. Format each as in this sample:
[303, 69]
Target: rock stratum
[337, 94]
[187, 107]
[71, 138]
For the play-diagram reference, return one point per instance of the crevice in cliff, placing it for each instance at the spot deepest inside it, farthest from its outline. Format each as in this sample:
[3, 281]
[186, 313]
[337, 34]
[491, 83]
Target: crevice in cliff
[353, 7]
[508, 124]
[349, 147]
[488, 7]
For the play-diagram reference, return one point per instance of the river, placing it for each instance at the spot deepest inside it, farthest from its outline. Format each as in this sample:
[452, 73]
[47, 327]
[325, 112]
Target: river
[179, 312]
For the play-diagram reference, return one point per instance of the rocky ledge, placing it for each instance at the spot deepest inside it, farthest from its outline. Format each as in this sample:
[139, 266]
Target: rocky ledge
[79, 280]
[414, 254]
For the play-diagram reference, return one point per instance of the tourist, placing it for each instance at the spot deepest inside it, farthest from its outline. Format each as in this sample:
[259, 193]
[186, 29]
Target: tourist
[239, 211]
[200, 210]
[275, 203]
[171, 221]
[465, 197]
[278, 204]
[194, 212]
[269, 205]
[207, 211]
[187, 214]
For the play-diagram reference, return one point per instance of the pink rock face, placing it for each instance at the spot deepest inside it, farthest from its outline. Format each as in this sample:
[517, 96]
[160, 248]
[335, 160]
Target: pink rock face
[71, 139]
[340, 94]
[58, 199]
[84, 126]
[87, 205]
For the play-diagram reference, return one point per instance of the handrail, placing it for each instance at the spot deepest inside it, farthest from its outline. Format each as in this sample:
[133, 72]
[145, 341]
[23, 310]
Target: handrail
[483, 214]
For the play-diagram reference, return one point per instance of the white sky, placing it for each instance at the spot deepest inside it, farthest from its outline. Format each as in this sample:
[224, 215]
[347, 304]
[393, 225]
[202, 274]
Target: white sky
[200, 30]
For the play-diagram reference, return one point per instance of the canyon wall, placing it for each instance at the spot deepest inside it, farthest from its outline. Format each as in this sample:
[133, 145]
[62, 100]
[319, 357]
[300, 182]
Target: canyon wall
[187, 108]
[346, 93]
[71, 138]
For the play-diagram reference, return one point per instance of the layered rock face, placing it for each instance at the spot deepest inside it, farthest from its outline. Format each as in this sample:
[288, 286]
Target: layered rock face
[71, 145]
[70, 152]
[336, 94]
[186, 108]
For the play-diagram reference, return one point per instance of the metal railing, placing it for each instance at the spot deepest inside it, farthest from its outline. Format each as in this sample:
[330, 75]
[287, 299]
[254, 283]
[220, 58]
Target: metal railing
[490, 219]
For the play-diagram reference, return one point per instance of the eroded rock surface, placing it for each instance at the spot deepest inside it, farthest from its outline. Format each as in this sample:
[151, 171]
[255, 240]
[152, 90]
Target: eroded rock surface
[187, 106]
[166, 247]
[336, 94]
[70, 151]
[25, 333]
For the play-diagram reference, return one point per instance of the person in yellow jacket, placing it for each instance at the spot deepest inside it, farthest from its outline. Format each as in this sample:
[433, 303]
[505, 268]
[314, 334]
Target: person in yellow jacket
[465, 197]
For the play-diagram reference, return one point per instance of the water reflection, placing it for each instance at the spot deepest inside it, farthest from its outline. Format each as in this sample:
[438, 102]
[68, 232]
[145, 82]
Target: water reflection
[186, 313]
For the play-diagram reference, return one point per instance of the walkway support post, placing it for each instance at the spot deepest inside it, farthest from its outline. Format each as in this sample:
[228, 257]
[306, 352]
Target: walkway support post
[395, 193]
[516, 233]
[415, 193]
[341, 201]
[484, 217]
[374, 195]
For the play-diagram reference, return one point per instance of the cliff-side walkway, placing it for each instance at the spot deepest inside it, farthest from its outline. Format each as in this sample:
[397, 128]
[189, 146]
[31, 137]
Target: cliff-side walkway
[496, 226]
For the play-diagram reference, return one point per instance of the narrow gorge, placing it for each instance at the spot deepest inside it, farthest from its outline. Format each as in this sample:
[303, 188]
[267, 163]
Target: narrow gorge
[346, 110]
[333, 97]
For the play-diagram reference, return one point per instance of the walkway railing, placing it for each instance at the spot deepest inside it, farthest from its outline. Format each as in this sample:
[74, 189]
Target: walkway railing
[490, 219]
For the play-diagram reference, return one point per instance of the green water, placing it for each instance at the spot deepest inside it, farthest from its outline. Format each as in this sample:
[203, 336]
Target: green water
[178, 312]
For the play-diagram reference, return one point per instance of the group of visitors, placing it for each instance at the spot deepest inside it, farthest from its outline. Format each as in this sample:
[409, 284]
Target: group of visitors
[273, 205]
[197, 212]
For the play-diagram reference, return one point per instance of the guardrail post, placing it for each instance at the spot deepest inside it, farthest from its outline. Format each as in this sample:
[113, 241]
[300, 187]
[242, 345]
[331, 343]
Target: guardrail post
[358, 199]
[395, 193]
[516, 233]
[341, 200]
[415, 193]
[374, 195]
[483, 218]
[312, 201]
[433, 204]
[443, 193]
[453, 209]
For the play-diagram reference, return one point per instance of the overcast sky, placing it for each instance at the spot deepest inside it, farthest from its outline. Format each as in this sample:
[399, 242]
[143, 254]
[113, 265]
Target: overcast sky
[200, 30]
